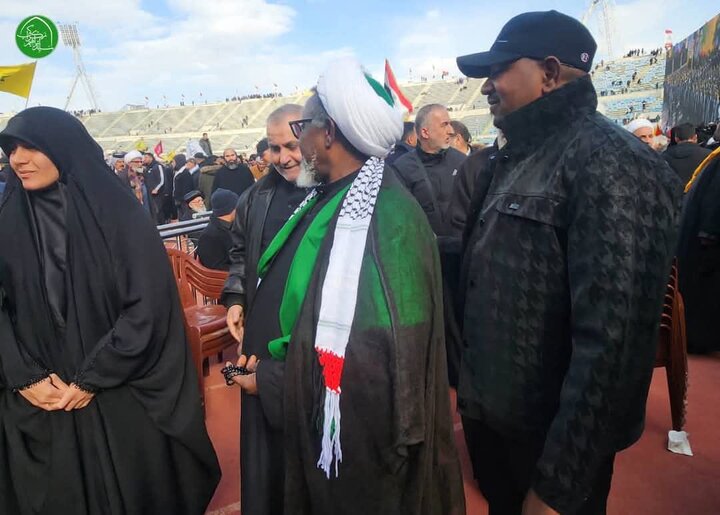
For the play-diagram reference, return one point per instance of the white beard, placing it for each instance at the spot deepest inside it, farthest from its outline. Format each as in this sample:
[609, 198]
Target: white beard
[308, 174]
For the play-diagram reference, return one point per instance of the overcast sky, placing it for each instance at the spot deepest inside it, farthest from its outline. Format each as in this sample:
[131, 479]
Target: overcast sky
[220, 48]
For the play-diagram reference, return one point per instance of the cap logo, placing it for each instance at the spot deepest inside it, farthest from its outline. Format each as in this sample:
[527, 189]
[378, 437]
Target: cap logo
[584, 57]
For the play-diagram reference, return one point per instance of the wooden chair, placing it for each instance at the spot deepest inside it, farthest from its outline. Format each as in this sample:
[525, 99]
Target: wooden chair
[672, 350]
[204, 318]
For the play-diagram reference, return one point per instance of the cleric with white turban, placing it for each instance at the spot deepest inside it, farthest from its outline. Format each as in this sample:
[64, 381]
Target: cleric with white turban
[357, 337]
[642, 129]
[363, 109]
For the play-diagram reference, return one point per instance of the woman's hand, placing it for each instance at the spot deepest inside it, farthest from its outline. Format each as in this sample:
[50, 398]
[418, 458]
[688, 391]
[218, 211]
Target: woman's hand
[46, 394]
[74, 398]
[248, 382]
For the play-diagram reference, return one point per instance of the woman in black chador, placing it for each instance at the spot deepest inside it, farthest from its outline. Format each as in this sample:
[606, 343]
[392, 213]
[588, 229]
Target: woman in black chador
[99, 407]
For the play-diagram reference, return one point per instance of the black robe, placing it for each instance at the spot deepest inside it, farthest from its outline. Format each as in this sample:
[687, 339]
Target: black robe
[261, 430]
[237, 180]
[699, 262]
[397, 438]
[214, 245]
[90, 296]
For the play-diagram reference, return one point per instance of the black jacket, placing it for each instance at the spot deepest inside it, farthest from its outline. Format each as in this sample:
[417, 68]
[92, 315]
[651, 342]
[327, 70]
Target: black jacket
[430, 178]
[564, 275]
[685, 158]
[183, 184]
[473, 173]
[399, 150]
[247, 237]
[154, 174]
[237, 180]
[214, 245]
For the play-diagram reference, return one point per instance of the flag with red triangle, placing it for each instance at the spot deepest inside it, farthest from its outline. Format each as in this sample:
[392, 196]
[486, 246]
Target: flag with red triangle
[394, 89]
[158, 148]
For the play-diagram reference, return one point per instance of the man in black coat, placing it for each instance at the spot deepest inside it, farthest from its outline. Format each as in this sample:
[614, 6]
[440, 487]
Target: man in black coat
[429, 170]
[699, 258]
[686, 155]
[155, 182]
[216, 240]
[564, 274]
[234, 175]
[261, 211]
[182, 182]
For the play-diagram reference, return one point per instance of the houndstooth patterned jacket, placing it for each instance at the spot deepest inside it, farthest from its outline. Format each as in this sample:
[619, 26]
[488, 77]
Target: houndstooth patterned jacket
[566, 261]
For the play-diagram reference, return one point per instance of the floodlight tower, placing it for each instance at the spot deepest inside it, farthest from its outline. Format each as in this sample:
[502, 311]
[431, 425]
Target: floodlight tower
[71, 38]
[603, 13]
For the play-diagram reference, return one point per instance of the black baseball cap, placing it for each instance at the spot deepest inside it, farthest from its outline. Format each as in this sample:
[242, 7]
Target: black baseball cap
[536, 35]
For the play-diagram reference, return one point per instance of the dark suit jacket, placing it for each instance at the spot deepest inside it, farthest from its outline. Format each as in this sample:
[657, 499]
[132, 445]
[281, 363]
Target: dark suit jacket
[214, 245]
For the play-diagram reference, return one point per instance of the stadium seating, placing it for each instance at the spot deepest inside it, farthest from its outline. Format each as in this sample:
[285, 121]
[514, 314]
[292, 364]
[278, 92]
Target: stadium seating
[240, 124]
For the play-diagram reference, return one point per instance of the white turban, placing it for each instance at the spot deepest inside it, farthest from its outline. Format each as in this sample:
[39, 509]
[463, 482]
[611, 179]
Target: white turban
[361, 107]
[133, 154]
[639, 123]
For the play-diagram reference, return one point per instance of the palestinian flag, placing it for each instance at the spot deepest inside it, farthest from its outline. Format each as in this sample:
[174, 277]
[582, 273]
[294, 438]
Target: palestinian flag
[392, 87]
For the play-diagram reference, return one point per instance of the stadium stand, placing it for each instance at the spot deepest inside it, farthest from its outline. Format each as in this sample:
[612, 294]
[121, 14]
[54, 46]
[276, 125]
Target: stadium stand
[240, 124]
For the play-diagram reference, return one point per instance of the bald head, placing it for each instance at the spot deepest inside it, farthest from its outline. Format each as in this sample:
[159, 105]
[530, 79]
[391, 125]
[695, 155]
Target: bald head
[432, 125]
[284, 148]
[285, 113]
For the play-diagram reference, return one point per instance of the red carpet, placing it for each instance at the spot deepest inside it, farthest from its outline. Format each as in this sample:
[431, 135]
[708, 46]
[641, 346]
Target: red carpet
[648, 479]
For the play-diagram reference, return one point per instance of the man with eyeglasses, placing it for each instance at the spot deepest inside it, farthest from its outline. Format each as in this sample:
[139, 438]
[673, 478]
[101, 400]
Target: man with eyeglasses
[261, 211]
[351, 361]
[566, 262]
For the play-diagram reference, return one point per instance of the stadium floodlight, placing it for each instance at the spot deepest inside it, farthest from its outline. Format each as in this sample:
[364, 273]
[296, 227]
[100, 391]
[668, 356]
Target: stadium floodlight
[603, 12]
[69, 35]
[71, 39]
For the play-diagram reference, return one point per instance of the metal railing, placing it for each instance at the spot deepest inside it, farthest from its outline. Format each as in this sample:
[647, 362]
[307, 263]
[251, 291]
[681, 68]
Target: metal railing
[179, 235]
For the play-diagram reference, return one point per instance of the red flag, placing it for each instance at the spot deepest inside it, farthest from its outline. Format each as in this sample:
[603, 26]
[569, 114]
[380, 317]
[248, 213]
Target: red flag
[158, 148]
[392, 85]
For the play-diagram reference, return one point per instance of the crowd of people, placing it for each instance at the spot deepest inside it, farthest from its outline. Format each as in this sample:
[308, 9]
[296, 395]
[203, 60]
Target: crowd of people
[692, 93]
[373, 264]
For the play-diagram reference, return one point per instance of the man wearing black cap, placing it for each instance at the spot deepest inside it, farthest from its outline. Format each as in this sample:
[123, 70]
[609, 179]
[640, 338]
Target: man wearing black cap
[216, 241]
[193, 202]
[567, 255]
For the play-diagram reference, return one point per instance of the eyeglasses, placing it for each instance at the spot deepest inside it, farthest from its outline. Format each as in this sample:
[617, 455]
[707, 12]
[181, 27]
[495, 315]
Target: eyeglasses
[298, 126]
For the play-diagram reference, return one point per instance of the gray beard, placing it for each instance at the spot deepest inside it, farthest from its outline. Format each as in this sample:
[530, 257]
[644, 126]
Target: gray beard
[232, 166]
[308, 174]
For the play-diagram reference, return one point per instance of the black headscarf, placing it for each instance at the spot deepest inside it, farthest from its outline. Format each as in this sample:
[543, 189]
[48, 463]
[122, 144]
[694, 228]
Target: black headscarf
[121, 323]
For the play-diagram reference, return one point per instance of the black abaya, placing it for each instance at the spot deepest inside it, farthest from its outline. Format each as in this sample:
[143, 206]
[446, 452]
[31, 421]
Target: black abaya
[699, 260]
[105, 316]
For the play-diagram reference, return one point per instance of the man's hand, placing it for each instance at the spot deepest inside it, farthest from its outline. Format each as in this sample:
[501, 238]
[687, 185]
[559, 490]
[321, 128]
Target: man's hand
[74, 398]
[45, 394]
[533, 505]
[235, 321]
[247, 382]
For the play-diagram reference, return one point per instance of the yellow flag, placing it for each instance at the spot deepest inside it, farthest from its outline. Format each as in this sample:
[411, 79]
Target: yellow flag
[140, 145]
[17, 79]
